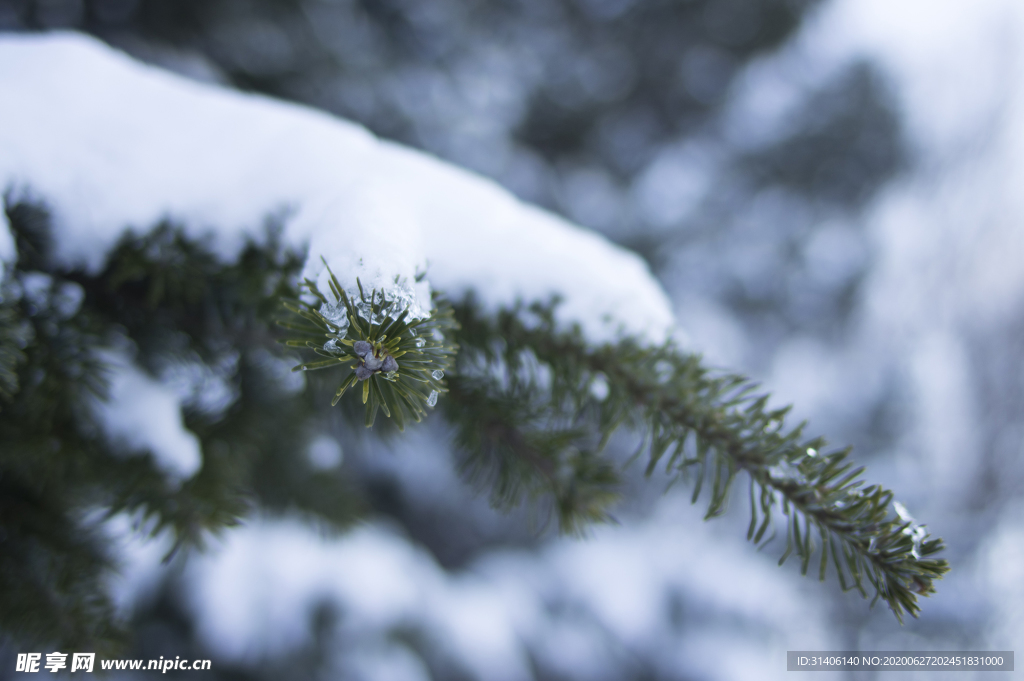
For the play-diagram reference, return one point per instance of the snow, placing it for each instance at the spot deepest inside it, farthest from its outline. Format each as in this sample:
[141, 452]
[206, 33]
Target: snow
[582, 609]
[951, 61]
[111, 145]
[944, 242]
[324, 453]
[7, 251]
[386, 662]
[940, 307]
[949, 238]
[579, 609]
[144, 415]
[140, 565]
[671, 186]
[254, 595]
[1001, 565]
[948, 247]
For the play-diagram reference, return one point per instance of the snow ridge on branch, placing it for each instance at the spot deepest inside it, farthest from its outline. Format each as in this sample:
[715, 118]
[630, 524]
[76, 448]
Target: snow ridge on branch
[110, 145]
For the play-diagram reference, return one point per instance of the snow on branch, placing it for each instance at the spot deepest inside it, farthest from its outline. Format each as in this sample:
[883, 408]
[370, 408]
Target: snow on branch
[145, 414]
[110, 144]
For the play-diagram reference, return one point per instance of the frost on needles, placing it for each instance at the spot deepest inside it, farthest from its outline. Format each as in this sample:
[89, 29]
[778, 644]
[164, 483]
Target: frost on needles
[192, 212]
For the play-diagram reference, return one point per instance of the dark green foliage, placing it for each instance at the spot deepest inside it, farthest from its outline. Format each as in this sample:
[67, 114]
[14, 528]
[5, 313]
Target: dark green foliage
[60, 474]
[52, 465]
[847, 139]
[533, 407]
[50, 569]
[534, 422]
[12, 343]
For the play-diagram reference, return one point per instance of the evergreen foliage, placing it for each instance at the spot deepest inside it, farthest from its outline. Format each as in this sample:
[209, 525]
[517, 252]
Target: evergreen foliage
[61, 475]
[534, 407]
[404, 373]
[174, 302]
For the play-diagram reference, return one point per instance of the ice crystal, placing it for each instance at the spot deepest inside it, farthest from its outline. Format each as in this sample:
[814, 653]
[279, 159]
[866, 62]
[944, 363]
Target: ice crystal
[335, 314]
[913, 530]
[786, 471]
[400, 298]
[365, 310]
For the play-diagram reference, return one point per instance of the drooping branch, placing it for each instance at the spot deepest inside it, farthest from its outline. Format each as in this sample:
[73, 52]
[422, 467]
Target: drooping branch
[535, 405]
[704, 426]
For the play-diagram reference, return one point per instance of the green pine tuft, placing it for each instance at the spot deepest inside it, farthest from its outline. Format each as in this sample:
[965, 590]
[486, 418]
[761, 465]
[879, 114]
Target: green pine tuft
[424, 349]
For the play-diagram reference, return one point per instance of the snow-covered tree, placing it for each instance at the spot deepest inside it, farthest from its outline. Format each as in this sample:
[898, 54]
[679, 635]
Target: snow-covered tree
[154, 227]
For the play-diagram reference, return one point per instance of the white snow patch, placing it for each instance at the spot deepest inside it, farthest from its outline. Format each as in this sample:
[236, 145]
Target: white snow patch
[673, 184]
[255, 593]
[111, 145]
[945, 243]
[144, 414]
[200, 386]
[139, 558]
[324, 453]
[950, 60]
[7, 250]
[947, 240]
[947, 419]
[1002, 566]
[388, 662]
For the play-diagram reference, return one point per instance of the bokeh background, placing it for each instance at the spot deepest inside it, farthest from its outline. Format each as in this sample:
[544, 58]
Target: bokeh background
[832, 193]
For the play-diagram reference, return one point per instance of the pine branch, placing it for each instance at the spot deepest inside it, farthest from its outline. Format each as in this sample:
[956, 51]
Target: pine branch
[694, 424]
[13, 338]
[535, 408]
[395, 360]
[516, 451]
[60, 474]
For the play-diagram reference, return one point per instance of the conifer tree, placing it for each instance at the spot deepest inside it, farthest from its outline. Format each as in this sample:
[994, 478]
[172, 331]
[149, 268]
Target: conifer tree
[534, 403]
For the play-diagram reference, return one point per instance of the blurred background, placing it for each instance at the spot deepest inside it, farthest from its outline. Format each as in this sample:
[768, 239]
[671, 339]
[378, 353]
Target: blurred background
[832, 193]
